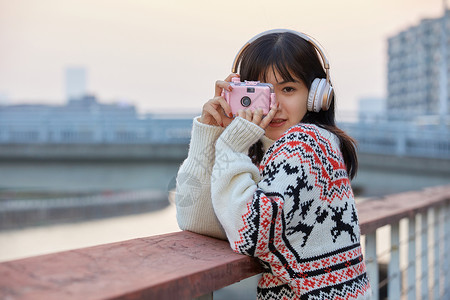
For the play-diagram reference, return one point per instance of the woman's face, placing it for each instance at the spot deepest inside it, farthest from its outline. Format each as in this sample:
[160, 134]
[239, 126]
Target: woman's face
[292, 98]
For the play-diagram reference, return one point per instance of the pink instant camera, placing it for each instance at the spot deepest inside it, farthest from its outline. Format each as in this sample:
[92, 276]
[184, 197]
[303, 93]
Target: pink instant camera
[249, 94]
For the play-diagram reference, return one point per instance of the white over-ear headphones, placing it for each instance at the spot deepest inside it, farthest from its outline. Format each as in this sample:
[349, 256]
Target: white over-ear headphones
[321, 92]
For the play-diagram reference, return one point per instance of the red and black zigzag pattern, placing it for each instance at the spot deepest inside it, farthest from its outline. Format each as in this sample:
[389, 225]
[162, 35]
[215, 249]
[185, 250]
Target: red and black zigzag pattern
[325, 162]
[262, 213]
[267, 229]
[270, 287]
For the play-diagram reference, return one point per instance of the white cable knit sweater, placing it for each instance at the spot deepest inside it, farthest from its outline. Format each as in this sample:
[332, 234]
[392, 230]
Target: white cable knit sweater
[296, 212]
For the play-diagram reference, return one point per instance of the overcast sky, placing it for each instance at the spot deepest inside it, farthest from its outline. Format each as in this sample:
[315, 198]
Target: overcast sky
[166, 55]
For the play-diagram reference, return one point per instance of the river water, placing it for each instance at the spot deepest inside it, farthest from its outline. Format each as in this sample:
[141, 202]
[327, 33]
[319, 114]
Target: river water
[82, 176]
[34, 177]
[38, 240]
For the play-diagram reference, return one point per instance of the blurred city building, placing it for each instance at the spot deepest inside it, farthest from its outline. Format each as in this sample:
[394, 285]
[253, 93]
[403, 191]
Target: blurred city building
[417, 79]
[3, 98]
[85, 120]
[371, 109]
[76, 82]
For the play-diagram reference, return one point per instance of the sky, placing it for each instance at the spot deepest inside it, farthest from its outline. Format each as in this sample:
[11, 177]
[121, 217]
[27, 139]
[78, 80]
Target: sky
[167, 55]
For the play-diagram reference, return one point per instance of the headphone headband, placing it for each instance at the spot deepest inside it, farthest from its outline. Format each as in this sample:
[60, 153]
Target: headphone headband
[316, 45]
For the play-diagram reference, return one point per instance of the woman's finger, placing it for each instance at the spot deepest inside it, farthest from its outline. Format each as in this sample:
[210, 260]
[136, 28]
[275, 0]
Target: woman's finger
[249, 115]
[268, 118]
[229, 77]
[241, 113]
[226, 107]
[224, 84]
[221, 85]
[257, 116]
[210, 109]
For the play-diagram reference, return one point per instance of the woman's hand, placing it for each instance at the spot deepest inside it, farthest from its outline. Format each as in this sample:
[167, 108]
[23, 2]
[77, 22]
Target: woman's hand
[217, 111]
[256, 115]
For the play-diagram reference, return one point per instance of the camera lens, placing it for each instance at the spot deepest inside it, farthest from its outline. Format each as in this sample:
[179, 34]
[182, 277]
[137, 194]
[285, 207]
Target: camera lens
[246, 101]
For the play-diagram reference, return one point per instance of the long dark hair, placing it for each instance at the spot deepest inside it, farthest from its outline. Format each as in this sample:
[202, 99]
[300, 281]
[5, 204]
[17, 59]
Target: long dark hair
[289, 54]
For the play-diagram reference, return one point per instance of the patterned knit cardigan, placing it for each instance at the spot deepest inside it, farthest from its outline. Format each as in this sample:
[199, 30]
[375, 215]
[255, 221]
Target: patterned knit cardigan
[296, 213]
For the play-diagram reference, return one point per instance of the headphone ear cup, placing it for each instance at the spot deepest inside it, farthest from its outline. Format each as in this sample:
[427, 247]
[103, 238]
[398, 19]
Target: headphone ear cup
[327, 96]
[315, 95]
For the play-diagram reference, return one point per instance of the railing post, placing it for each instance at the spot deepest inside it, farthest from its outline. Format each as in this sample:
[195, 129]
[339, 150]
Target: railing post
[446, 252]
[424, 255]
[394, 286]
[411, 289]
[372, 263]
[208, 296]
[443, 255]
[436, 260]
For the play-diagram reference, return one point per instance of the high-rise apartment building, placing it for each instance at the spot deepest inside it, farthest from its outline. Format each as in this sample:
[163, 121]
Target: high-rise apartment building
[418, 72]
[75, 83]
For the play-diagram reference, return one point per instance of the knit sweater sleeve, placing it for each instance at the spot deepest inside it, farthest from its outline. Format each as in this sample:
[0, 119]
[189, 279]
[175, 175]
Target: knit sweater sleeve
[193, 184]
[235, 179]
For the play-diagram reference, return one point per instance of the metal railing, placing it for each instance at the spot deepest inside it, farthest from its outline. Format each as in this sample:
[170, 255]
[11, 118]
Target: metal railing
[72, 130]
[407, 244]
[185, 265]
[401, 139]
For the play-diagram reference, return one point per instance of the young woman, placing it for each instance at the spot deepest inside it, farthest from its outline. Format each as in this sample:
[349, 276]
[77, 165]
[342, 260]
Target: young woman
[278, 186]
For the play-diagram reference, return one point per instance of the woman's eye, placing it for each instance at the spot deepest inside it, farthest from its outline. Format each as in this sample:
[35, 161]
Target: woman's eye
[288, 89]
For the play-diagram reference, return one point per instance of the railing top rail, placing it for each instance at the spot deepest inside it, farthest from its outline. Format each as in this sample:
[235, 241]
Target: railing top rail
[389, 209]
[180, 265]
